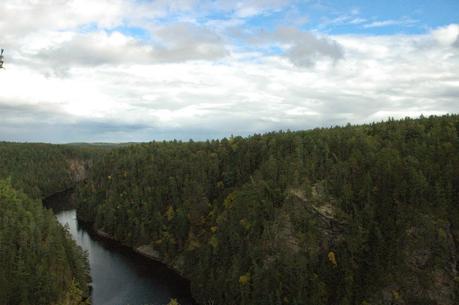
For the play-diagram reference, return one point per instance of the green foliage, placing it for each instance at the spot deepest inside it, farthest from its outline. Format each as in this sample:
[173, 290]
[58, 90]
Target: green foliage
[173, 302]
[314, 217]
[244, 279]
[39, 262]
[40, 170]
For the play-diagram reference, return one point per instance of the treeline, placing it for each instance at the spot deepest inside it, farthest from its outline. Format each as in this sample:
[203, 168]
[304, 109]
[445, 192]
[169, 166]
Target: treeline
[348, 215]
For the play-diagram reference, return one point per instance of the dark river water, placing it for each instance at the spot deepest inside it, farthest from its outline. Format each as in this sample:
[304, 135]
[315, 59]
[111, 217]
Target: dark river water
[121, 276]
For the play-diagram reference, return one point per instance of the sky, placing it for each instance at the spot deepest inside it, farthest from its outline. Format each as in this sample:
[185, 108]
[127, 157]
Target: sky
[140, 70]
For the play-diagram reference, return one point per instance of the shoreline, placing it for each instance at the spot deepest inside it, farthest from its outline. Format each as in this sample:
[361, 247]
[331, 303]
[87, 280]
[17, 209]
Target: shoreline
[143, 251]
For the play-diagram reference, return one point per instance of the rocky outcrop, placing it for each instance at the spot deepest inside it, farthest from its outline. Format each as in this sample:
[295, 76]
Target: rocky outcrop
[330, 221]
[148, 251]
[428, 274]
[78, 169]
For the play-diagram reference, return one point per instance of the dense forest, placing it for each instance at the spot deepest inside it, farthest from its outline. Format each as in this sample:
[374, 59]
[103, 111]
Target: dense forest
[41, 170]
[39, 262]
[347, 215]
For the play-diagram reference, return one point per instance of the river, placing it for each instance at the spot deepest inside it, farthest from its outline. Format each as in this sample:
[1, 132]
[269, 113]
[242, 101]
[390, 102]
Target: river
[121, 276]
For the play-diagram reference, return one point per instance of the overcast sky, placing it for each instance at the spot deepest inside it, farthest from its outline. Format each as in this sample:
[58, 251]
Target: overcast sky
[140, 70]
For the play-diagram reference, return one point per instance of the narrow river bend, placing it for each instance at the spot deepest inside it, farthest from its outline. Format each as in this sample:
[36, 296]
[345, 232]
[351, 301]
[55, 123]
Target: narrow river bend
[121, 276]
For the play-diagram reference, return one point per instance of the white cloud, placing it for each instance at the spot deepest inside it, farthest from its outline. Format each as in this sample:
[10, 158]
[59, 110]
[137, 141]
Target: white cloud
[96, 48]
[344, 19]
[174, 43]
[255, 7]
[391, 22]
[23, 16]
[379, 76]
[74, 72]
[303, 49]
[187, 41]
[448, 35]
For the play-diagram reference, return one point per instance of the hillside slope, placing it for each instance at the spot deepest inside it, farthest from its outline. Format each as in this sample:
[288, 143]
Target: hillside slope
[352, 215]
[39, 261]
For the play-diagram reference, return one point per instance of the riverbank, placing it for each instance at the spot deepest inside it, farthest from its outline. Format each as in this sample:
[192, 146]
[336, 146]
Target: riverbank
[120, 274]
[145, 251]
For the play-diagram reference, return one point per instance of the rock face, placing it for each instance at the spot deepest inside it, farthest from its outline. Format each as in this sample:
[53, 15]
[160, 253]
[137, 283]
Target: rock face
[78, 169]
[429, 274]
[149, 251]
[328, 220]
[429, 252]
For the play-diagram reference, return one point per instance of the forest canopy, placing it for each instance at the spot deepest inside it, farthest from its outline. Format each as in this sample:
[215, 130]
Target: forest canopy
[41, 170]
[347, 215]
[40, 263]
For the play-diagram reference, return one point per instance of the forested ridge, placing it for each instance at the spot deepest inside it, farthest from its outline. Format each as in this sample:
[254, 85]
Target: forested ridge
[348, 215]
[40, 264]
[41, 170]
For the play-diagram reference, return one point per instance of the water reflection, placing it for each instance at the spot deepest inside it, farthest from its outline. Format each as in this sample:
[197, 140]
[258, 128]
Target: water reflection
[122, 277]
